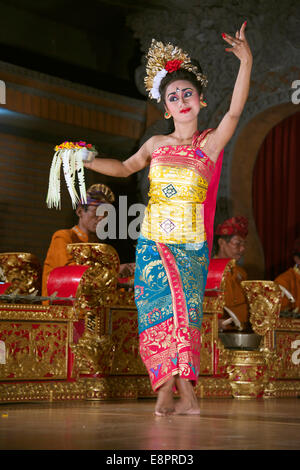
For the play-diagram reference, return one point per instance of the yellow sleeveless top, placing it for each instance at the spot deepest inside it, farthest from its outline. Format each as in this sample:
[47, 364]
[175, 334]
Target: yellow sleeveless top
[179, 178]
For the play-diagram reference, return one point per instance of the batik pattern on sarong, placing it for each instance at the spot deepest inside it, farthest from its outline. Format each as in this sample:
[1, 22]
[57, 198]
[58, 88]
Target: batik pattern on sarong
[169, 288]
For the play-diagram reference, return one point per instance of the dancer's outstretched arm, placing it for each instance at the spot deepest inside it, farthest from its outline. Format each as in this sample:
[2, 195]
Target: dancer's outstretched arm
[114, 167]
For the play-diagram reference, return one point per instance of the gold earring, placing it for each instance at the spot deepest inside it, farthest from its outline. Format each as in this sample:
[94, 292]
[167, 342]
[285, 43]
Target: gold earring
[167, 115]
[203, 103]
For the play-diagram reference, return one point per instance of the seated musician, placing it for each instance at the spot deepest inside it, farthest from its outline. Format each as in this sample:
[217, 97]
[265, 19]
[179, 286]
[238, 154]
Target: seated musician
[290, 282]
[83, 232]
[230, 242]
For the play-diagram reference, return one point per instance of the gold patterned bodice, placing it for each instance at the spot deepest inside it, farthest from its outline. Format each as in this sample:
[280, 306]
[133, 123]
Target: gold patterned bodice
[179, 178]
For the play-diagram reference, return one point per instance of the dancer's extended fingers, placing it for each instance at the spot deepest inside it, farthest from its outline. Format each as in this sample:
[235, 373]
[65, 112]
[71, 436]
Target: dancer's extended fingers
[232, 41]
[231, 38]
[242, 30]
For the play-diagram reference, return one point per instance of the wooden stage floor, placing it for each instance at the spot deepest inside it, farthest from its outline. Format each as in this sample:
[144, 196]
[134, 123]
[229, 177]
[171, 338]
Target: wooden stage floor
[223, 424]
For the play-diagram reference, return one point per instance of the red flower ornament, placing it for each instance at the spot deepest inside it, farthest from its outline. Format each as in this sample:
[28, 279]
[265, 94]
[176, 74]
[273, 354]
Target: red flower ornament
[173, 65]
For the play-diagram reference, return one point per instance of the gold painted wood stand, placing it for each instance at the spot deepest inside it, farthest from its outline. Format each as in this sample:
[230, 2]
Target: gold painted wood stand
[38, 362]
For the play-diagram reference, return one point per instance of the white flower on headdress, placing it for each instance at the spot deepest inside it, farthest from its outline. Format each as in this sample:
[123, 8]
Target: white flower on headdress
[156, 84]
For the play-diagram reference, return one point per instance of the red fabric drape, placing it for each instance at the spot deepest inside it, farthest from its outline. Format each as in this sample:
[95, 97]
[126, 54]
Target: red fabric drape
[276, 194]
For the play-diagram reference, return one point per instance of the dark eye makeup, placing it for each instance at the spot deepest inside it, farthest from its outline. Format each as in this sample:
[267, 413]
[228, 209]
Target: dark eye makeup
[186, 94]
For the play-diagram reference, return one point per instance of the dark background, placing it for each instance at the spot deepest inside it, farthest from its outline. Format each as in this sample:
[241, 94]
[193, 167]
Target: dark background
[86, 42]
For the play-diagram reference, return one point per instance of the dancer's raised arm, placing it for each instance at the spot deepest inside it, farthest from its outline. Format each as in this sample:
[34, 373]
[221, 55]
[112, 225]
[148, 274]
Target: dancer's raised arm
[114, 167]
[223, 133]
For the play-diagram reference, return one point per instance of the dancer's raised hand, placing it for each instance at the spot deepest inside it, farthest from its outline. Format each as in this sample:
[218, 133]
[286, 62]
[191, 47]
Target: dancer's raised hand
[239, 43]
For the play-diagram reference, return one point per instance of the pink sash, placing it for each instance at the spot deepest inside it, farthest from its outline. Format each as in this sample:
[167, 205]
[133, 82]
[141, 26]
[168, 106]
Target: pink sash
[211, 196]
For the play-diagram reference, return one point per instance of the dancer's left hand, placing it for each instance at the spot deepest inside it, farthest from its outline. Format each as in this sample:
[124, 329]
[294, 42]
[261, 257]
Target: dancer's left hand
[239, 43]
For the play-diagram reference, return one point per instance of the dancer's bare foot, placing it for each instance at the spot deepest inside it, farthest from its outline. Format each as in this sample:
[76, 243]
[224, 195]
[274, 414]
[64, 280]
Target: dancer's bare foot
[188, 403]
[165, 401]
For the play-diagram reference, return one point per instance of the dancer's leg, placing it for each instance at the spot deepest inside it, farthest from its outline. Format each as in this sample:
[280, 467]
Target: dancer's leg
[165, 400]
[188, 403]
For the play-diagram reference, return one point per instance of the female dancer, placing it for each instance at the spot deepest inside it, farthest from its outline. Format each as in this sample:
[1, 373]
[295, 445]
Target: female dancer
[173, 250]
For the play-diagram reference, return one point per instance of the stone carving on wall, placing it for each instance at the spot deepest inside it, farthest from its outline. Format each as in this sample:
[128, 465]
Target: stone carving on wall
[273, 32]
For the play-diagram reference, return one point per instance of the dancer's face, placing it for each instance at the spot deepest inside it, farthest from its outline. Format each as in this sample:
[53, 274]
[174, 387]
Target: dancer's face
[182, 100]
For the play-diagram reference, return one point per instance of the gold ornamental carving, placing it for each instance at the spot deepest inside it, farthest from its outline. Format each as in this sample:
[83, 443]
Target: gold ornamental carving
[94, 354]
[214, 304]
[264, 298]
[120, 387]
[90, 389]
[23, 271]
[213, 387]
[271, 360]
[95, 349]
[46, 391]
[209, 331]
[282, 389]
[19, 312]
[34, 350]
[248, 374]
[101, 280]
[112, 388]
[98, 284]
[97, 287]
[95, 254]
[223, 358]
[124, 331]
[286, 363]
[124, 297]
[36, 340]
[288, 324]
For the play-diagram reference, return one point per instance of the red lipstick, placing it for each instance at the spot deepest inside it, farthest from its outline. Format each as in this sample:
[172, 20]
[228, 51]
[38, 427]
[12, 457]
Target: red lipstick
[186, 110]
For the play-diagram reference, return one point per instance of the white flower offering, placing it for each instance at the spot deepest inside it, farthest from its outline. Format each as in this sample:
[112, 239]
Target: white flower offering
[69, 155]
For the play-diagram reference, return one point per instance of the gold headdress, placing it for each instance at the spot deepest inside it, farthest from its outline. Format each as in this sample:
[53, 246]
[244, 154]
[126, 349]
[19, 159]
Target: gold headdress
[163, 59]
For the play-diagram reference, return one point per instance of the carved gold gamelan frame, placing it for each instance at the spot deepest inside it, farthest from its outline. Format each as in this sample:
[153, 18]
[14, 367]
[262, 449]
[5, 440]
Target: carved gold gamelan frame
[45, 363]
